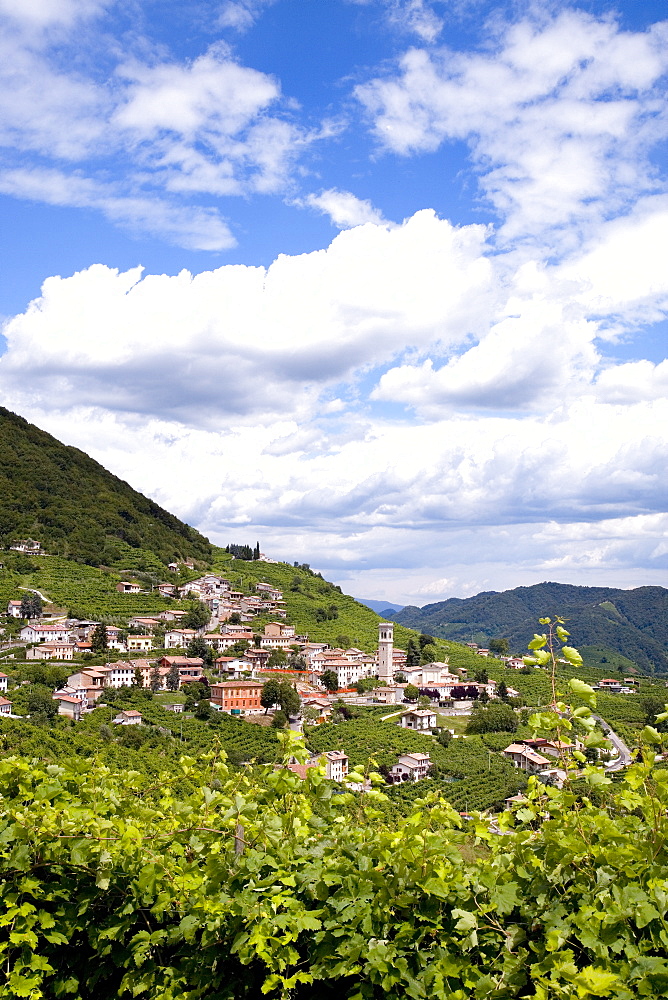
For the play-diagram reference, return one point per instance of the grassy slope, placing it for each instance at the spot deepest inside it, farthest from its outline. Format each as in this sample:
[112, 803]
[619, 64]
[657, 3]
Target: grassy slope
[91, 593]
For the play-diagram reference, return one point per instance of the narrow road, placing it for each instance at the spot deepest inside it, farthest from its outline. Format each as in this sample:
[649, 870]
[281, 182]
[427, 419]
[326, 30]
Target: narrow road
[624, 756]
[40, 595]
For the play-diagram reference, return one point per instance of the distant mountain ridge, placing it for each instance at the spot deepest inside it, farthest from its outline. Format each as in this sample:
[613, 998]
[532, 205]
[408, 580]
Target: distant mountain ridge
[631, 622]
[380, 607]
[64, 499]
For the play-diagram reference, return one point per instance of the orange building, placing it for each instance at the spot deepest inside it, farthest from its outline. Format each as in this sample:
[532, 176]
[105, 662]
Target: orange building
[238, 697]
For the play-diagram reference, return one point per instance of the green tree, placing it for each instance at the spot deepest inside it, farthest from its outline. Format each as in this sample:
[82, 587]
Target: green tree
[499, 646]
[481, 676]
[413, 654]
[289, 698]
[138, 678]
[280, 719]
[99, 639]
[197, 615]
[297, 662]
[425, 640]
[444, 737]
[428, 654]
[197, 647]
[31, 605]
[40, 703]
[203, 710]
[173, 678]
[155, 681]
[411, 693]
[277, 658]
[494, 718]
[238, 648]
[269, 695]
[330, 680]
[234, 619]
[502, 691]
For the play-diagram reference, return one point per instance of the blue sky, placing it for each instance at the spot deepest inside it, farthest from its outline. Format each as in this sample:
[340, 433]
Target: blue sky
[381, 282]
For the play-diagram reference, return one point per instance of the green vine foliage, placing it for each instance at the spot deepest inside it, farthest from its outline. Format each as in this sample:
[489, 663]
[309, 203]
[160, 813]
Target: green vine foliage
[257, 883]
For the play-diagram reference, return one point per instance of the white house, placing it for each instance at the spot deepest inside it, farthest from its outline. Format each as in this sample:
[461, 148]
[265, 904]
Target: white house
[46, 633]
[125, 587]
[179, 638]
[3, 682]
[336, 764]
[410, 767]
[419, 719]
[5, 706]
[14, 609]
[128, 717]
[27, 545]
[69, 705]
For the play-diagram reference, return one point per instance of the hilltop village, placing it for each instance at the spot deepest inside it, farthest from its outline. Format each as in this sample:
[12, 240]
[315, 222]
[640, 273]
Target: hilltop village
[215, 650]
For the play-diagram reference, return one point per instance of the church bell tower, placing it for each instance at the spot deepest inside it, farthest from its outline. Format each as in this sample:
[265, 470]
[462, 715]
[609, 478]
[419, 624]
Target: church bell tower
[385, 649]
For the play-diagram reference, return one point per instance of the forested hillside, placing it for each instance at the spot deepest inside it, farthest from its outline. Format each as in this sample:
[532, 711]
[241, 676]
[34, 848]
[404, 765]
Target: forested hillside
[631, 622]
[75, 508]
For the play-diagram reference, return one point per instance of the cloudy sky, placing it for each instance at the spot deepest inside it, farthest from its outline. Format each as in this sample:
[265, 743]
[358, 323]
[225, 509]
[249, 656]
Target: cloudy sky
[382, 283]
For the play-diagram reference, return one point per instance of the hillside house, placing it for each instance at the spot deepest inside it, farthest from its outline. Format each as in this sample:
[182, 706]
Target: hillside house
[166, 589]
[257, 657]
[128, 717]
[526, 758]
[141, 621]
[139, 643]
[223, 640]
[51, 651]
[272, 629]
[335, 763]
[125, 587]
[321, 706]
[69, 705]
[173, 567]
[119, 674]
[46, 633]
[27, 545]
[410, 767]
[4, 680]
[419, 719]
[172, 616]
[178, 638]
[5, 706]
[237, 697]
[551, 748]
[14, 609]
[88, 685]
[515, 663]
[190, 667]
[611, 684]
[233, 667]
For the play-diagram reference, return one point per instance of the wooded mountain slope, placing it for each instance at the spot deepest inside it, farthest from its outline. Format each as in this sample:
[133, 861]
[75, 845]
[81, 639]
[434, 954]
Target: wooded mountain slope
[632, 622]
[75, 508]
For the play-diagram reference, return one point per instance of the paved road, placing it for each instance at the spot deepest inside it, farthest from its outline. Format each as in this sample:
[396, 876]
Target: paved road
[40, 595]
[624, 756]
